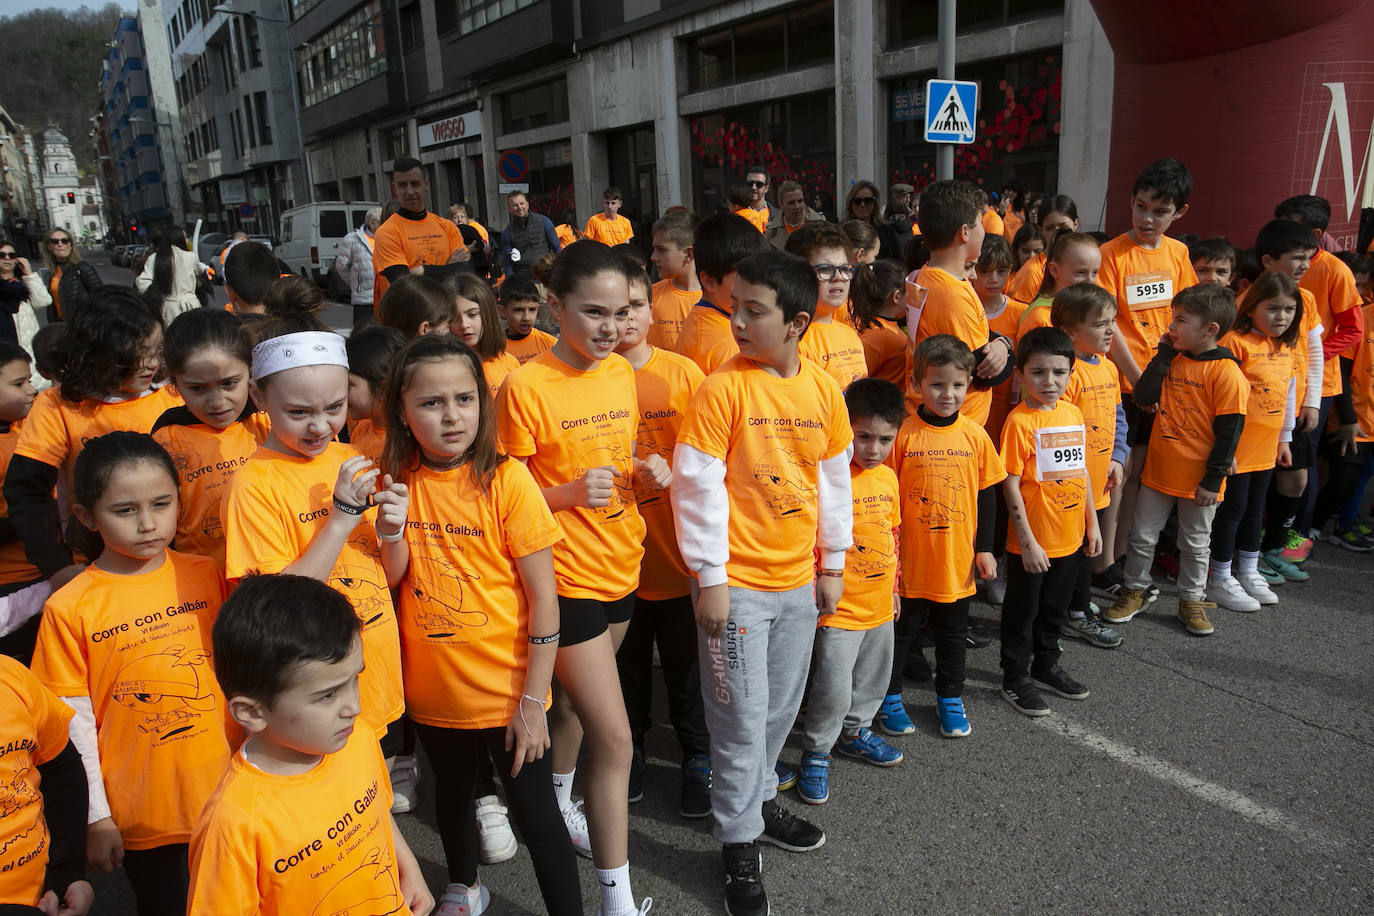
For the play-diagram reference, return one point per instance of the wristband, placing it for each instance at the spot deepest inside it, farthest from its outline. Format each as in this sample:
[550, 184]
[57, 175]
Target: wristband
[833, 573]
[391, 538]
[348, 508]
[544, 640]
[526, 696]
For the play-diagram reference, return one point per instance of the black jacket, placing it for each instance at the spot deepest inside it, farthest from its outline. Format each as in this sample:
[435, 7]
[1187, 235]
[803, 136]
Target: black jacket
[76, 284]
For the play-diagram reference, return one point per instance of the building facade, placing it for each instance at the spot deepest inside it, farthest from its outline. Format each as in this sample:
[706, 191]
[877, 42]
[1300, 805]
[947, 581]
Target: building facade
[73, 201]
[18, 210]
[672, 101]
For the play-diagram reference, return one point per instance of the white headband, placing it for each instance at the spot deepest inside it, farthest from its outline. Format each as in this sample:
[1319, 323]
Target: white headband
[292, 351]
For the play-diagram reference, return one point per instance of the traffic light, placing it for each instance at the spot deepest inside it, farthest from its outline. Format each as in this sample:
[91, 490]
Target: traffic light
[71, 198]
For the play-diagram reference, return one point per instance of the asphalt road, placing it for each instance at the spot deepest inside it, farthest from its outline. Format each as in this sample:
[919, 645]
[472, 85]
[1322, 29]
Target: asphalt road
[1227, 774]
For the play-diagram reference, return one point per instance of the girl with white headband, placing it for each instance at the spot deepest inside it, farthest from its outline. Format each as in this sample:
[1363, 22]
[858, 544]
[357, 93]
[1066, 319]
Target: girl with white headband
[305, 504]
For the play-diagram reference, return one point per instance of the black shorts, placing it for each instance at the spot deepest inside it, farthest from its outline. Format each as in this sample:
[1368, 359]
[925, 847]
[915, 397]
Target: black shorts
[1331, 451]
[1303, 453]
[1138, 422]
[393, 742]
[581, 619]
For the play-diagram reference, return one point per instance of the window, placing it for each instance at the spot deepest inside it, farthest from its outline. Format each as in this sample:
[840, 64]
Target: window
[350, 53]
[236, 31]
[264, 117]
[445, 15]
[252, 133]
[394, 142]
[226, 62]
[916, 21]
[776, 43]
[250, 24]
[535, 106]
[477, 13]
[550, 178]
[333, 224]
[412, 29]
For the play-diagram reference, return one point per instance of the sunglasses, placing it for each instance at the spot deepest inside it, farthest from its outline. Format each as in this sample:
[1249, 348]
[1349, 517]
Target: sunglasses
[757, 184]
[866, 201]
[8, 255]
[833, 271]
[59, 241]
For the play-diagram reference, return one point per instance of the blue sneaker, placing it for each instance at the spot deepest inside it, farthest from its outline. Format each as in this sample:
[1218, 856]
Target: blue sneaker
[814, 785]
[787, 777]
[867, 746]
[892, 716]
[953, 721]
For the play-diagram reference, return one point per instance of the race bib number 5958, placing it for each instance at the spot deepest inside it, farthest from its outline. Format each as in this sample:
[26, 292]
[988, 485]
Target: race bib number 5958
[1142, 289]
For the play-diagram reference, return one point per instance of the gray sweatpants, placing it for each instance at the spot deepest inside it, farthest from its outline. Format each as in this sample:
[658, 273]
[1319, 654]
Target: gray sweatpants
[848, 682]
[752, 678]
[1152, 510]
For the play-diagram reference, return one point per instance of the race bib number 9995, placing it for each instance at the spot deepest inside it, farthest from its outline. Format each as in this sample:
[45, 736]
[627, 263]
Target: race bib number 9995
[1060, 453]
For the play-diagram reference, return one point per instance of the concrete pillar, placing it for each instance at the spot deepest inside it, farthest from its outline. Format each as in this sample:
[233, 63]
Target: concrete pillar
[671, 138]
[858, 104]
[1085, 136]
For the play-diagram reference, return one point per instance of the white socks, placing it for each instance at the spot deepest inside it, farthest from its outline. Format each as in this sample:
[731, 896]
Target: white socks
[562, 788]
[616, 897]
[1221, 569]
[1248, 564]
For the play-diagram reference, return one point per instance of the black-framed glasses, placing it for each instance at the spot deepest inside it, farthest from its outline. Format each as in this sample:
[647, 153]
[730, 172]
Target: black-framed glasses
[59, 241]
[9, 255]
[866, 201]
[756, 184]
[834, 271]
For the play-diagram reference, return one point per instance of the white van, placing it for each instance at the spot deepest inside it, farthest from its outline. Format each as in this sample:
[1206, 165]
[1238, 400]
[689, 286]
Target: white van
[310, 235]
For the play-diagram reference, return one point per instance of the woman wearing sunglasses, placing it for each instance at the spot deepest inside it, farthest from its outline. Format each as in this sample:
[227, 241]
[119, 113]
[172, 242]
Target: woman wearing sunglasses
[862, 203]
[21, 291]
[70, 279]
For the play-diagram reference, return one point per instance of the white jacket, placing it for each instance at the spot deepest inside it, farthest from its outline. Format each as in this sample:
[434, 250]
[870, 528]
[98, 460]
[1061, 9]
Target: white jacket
[26, 320]
[186, 268]
[354, 264]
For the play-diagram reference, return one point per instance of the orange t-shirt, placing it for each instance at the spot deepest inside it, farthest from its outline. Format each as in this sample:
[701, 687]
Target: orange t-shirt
[614, 230]
[1268, 366]
[531, 345]
[950, 307]
[402, 242]
[1144, 283]
[33, 730]
[1195, 392]
[367, 438]
[1095, 389]
[870, 566]
[992, 223]
[564, 422]
[1024, 284]
[565, 233]
[706, 338]
[837, 349]
[14, 565]
[206, 460]
[670, 308]
[941, 470]
[316, 842]
[480, 229]
[771, 433]
[885, 352]
[1036, 315]
[277, 504]
[1333, 287]
[664, 387]
[1007, 323]
[1046, 449]
[497, 368]
[464, 619]
[1362, 378]
[1011, 223]
[139, 647]
[759, 218]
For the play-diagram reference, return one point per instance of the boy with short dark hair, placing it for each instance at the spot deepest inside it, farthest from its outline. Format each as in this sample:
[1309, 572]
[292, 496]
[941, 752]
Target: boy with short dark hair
[249, 269]
[609, 226]
[301, 821]
[1214, 260]
[1201, 394]
[520, 308]
[1053, 524]
[774, 425]
[720, 242]
[673, 296]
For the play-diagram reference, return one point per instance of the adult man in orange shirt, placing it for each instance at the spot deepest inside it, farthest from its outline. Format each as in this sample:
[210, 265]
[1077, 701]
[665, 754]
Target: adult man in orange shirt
[415, 241]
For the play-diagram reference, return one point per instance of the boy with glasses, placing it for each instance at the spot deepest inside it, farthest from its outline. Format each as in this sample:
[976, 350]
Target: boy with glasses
[830, 344]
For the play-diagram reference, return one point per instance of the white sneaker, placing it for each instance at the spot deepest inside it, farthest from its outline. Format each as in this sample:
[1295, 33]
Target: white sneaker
[494, 836]
[644, 907]
[576, 820]
[461, 900]
[405, 777]
[1227, 593]
[1255, 586]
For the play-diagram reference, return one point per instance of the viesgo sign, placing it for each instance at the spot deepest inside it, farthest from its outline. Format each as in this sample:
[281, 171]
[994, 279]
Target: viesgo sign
[461, 127]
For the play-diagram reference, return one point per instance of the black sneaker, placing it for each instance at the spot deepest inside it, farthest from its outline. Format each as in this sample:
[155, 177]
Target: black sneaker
[637, 775]
[917, 668]
[1025, 698]
[1057, 682]
[785, 830]
[744, 893]
[977, 638]
[696, 787]
[1112, 579]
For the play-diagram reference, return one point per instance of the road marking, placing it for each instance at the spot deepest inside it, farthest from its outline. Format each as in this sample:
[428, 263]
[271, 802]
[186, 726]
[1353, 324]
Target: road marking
[1253, 811]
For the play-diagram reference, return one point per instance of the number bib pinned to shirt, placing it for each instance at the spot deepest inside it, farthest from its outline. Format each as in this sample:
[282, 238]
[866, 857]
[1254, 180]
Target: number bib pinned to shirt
[1060, 453]
[1150, 288]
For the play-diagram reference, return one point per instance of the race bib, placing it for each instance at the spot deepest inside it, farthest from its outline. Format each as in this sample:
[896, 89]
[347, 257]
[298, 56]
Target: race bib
[1143, 289]
[1060, 453]
[515, 254]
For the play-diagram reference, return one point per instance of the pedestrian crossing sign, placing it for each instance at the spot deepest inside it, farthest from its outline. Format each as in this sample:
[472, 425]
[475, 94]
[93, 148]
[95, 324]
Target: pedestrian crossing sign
[951, 106]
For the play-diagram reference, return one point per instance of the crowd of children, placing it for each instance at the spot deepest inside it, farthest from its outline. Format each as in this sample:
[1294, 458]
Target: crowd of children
[261, 564]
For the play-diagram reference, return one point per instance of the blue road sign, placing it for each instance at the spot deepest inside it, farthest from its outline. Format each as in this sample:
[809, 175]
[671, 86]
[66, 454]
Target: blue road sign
[951, 106]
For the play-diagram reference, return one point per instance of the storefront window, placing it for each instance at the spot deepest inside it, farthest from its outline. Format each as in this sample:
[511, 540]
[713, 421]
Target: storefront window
[535, 106]
[550, 177]
[776, 43]
[917, 21]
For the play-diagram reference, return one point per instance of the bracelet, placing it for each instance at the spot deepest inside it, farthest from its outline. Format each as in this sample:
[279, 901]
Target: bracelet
[526, 696]
[520, 708]
[833, 573]
[349, 508]
[545, 640]
[392, 538]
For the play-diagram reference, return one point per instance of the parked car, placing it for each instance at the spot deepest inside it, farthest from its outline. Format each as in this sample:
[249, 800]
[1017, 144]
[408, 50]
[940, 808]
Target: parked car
[210, 243]
[310, 235]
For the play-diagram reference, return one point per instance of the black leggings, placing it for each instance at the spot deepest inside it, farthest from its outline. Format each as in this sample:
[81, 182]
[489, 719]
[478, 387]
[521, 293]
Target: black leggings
[1342, 477]
[161, 878]
[1240, 516]
[454, 754]
[950, 623]
[671, 624]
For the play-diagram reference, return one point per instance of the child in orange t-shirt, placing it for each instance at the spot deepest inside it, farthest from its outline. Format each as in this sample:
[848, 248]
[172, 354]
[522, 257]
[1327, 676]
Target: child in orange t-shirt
[110, 370]
[1086, 312]
[1214, 260]
[126, 645]
[1026, 246]
[1201, 394]
[1073, 257]
[719, 244]
[43, 831]
[300, 821]
[852, 661]
[478, 613]
[940, 299]
[664, 384]
[1055, 213]
[370, 350]
[308, 505]
[570, 414]
[477, 323]
[679, 289]
[878, 311]
[1004, 318]
[22, 587]
[520, 310]
[608, 226]
[417, 305]
[1267, 327]
[1053, 524]
[830, 344]
[208, 354]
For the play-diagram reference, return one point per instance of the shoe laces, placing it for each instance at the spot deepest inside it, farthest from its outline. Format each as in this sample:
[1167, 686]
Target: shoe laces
[575, 817]
[1295, 540]
[776, 812]
[744, 871]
